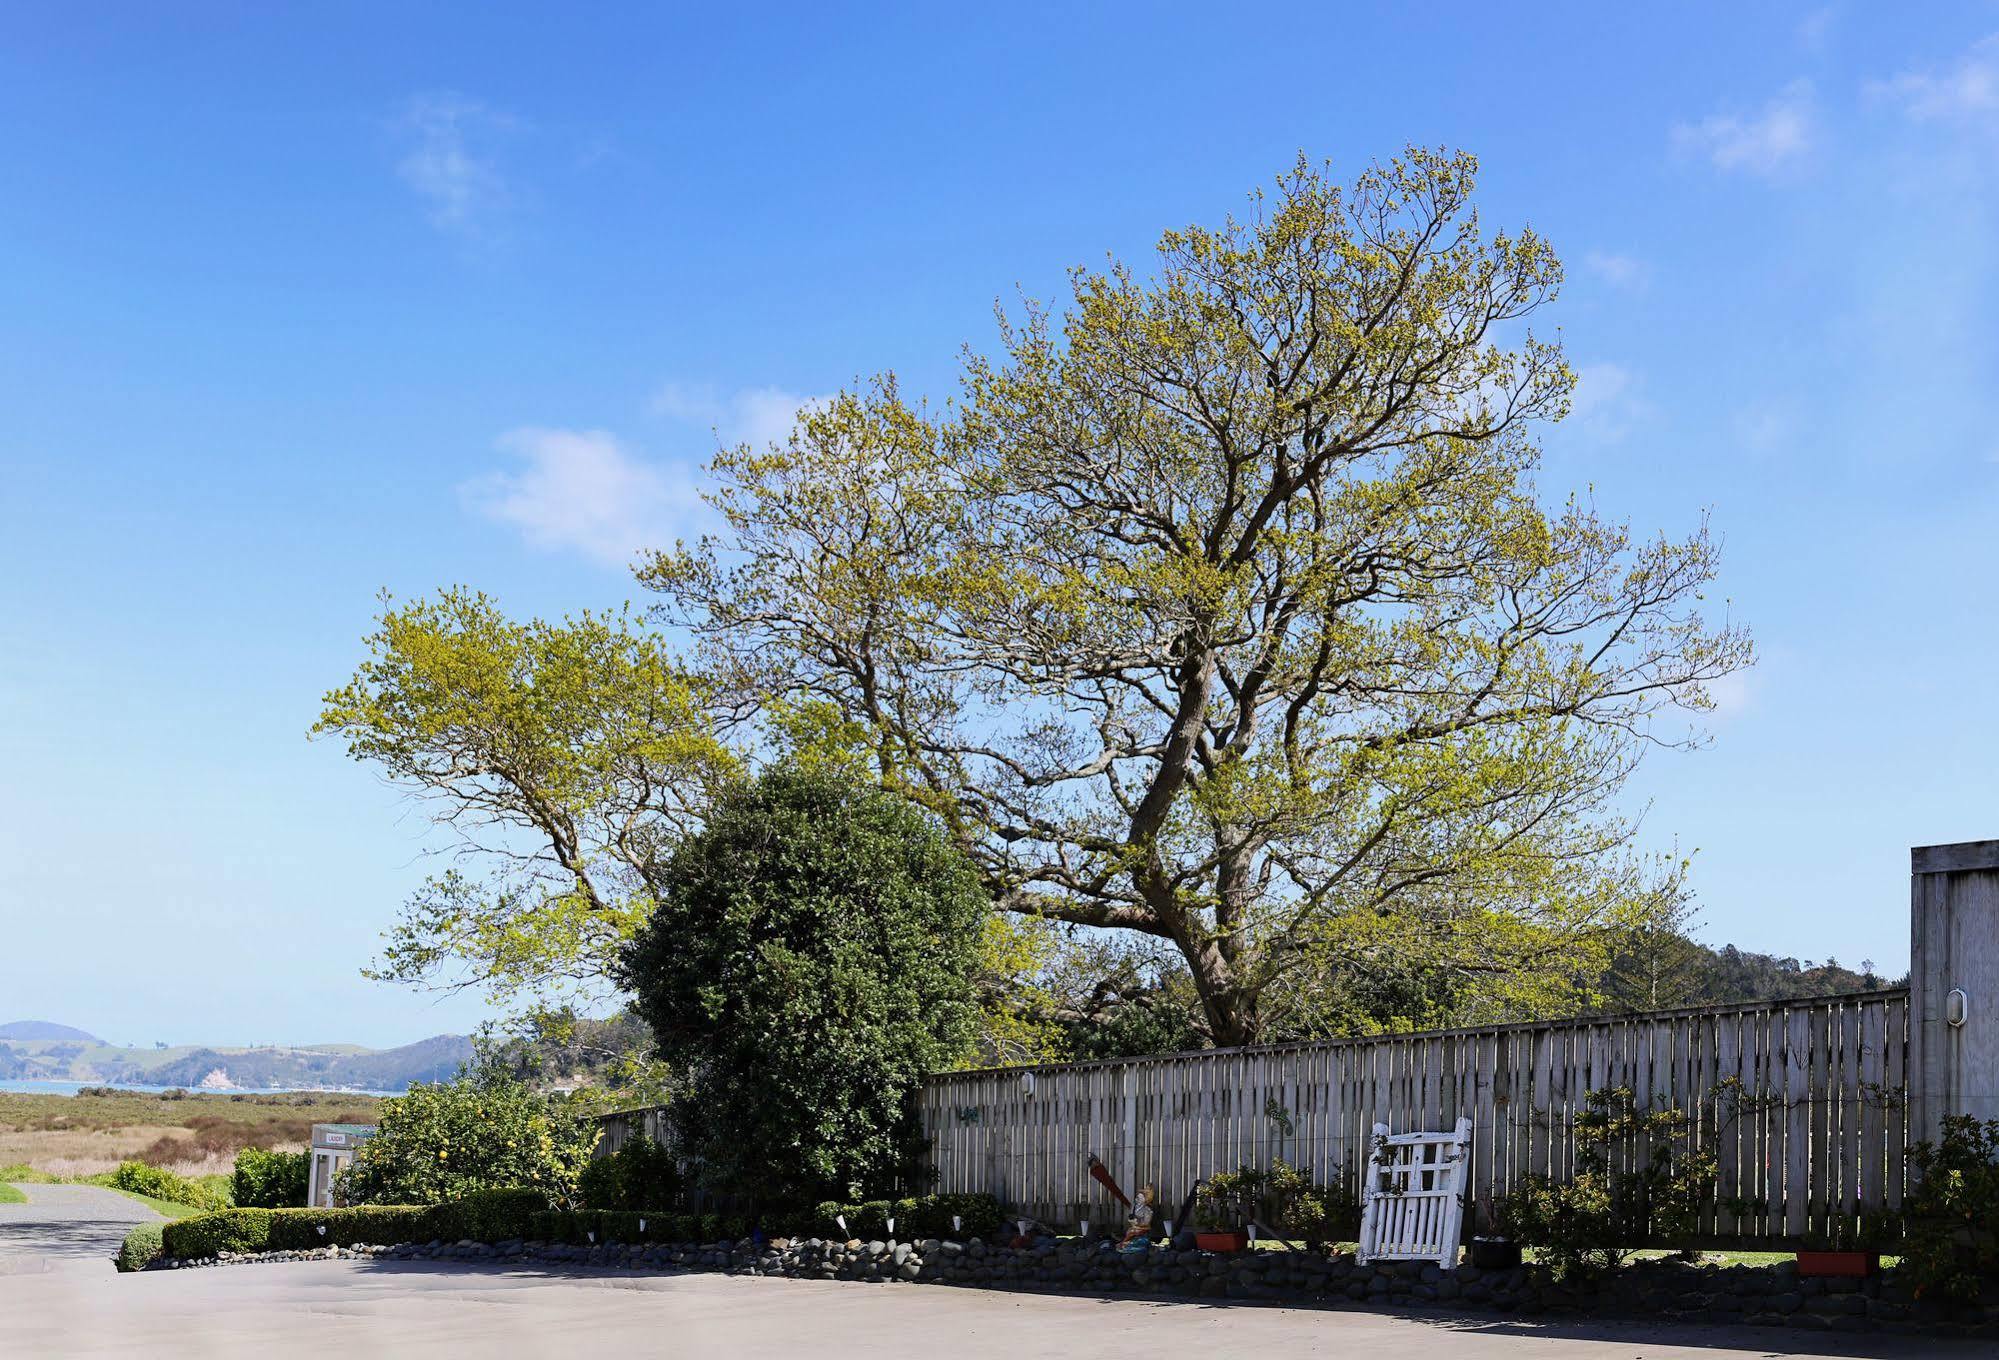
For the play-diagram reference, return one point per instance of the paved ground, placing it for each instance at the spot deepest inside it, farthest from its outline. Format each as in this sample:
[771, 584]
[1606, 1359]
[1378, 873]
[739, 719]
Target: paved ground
[66, 1226]
[400, 1309]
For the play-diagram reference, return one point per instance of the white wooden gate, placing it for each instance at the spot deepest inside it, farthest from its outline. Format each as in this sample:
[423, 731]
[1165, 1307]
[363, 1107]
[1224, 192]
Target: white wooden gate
[1413, 1207]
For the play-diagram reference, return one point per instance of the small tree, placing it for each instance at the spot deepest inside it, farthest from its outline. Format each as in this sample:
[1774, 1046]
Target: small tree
[808, 961]
[483, 1131]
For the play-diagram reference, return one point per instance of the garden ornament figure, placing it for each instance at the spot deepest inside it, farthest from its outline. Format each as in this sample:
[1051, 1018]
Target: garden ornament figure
[1138, 1225]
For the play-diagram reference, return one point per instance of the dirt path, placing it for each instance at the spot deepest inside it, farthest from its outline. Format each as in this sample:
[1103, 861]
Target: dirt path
[66, 1226]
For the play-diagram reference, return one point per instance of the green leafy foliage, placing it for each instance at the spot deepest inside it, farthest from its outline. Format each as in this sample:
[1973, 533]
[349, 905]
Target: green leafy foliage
[1950, 1241]
[1282, 1199]
[142, 1246]
[158, 1183]
[232, 1230]
[270, 1180]
[1641, 1177]
[643, 1174]
[487, 1215]
[483, 1131]
[1223, 606]
[573, 753]
[915, 1217]
[806, 966]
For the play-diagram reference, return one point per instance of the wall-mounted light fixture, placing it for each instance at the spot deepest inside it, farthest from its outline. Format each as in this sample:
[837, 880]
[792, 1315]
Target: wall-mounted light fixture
[1956, 1007]
[1027, 1083]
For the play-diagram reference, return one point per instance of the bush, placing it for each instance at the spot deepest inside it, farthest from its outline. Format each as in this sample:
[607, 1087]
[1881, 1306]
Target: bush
[643, 1174]
[483, 1131]
[1950, 1235]
[152, 1181]
[1283, 1200]
[807, 964]
[488, 1215]
[924, 1216]
[270, 1180]
[142, 1247]
[368, 1225]
[204, 1235]
[1640, 1178]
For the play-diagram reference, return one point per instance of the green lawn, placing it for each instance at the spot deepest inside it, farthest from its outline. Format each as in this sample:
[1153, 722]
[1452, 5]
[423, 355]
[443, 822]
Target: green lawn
[9, 1195]
[165, 1208]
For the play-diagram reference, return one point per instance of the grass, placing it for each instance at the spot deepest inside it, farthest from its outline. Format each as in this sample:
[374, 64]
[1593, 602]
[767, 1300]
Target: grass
[197, 1134]
[165, 1208]
[9, 1195]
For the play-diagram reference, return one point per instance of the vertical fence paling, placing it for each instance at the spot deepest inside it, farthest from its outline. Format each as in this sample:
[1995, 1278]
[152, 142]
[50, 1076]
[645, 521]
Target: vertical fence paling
[1802, 1102]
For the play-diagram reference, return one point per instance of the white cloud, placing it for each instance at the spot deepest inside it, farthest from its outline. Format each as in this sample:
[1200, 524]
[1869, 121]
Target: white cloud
[1621, 271]
[1609, 401]
[1967, 88]
[1815, 29]
[757, 416]
[1762, 144]
[460, 184]
[583, 491]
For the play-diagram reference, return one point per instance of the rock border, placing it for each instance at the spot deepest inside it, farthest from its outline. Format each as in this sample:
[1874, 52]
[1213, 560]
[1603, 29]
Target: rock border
[1653, 1290]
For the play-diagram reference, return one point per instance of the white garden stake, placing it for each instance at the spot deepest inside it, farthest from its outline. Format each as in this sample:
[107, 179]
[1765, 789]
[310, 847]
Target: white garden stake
[1021, 1223]
[1169, 1229]
[957, 1223]
[642, 1225]
[1086, 1229]
[891, 1230]
[841, 1219]
[1252, 1232]
[592, 1237]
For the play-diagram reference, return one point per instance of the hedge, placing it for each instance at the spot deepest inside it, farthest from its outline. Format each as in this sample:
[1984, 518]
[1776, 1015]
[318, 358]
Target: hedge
[926, 1216]
[141, 1247]
[506, 1215]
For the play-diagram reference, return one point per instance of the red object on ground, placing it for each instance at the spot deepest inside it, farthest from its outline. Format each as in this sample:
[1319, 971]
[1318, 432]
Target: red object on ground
[1222, 1241]
[1838, 1264]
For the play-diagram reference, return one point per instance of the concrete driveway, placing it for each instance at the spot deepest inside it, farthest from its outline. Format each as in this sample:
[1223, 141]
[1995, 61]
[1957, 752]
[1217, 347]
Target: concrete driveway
[66, 1227]
[422, 1309]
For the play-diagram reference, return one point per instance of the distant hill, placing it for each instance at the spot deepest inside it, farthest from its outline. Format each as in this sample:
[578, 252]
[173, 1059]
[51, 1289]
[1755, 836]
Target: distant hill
[58, 1053]
[1668, 970]
[43, 1029]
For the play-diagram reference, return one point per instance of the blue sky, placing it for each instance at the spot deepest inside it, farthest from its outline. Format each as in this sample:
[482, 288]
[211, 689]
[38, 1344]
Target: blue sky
[300, 303]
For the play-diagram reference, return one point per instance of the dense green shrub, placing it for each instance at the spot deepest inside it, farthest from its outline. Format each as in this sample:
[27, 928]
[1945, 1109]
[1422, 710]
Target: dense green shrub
[483, 1131]
[807, 964]
[642, 1174]
[270, 1180]
[1950, 1232]
[923, 1216]
[367, 1225]
[141, 1247]
[233, 1230]
[153, 1181]
[1641, 1178]
[487, 1215]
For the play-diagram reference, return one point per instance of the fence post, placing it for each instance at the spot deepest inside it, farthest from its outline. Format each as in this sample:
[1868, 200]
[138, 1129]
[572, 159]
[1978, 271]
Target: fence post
[1953, 984]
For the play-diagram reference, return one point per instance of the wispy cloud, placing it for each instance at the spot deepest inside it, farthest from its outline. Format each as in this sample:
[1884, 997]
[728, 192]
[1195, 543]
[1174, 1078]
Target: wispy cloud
[1763, 143]
[1967, 88]
[757, 416]
[1610, 401]
[584, 491]
[1620, 271]
[450, 162]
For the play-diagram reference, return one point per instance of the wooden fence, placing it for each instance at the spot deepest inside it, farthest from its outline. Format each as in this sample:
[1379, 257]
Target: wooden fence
[1803, 1102]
